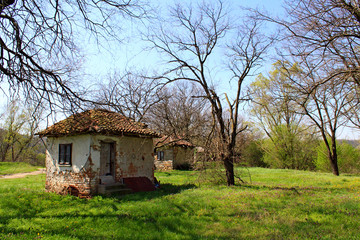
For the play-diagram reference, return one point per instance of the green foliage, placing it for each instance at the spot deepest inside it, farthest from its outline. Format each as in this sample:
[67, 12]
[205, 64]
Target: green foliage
[290, 143]
[253, 155]
[288, 149]
[348, 158]
[25, 149]
[18, 142]
[322, 161]
[273, 104]
[280, 204]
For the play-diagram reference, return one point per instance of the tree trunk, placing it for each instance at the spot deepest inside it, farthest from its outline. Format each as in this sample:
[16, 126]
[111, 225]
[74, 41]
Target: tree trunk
[334, 166]
[229, 167]
[12, 153]
[333, 157]
[228, 159]
[333, 161]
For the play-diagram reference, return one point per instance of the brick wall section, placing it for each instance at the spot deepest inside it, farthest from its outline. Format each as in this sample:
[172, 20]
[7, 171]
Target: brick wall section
[62, 182]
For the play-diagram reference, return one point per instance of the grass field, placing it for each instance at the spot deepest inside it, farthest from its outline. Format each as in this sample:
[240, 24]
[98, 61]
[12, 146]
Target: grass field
[16, 167]
[279, 204]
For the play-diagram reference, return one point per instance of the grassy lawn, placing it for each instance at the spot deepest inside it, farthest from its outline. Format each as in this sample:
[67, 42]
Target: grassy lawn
[16, 167]
[279, 204]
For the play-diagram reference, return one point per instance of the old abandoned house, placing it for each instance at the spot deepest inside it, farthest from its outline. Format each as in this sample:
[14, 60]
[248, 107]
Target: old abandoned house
[173, 152]
[99, 151]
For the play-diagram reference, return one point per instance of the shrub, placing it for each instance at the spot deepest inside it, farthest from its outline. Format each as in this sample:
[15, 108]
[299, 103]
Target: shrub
[348, 158]
[289, 150]
[253, 155]
[184, 166]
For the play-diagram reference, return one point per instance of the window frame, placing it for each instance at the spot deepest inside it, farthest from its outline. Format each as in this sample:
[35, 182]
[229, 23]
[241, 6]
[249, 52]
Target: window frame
[160, 156]
[65, 154]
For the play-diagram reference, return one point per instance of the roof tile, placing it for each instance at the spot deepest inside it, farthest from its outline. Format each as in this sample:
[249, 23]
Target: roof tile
[98, 121]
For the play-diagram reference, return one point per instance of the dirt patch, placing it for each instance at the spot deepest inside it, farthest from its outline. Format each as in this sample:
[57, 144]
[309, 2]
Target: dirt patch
[21, 175]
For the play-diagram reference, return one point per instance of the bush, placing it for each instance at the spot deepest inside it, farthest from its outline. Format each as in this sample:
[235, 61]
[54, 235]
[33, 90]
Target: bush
[184, 166]
[39, 160]
[215, 174]
[348, 158]
[289, 150]
[253, 155]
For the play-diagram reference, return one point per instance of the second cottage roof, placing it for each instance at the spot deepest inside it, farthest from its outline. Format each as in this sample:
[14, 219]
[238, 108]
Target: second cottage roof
[172, 141]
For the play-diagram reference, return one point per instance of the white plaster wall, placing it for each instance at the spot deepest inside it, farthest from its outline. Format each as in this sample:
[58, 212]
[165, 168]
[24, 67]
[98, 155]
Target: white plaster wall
[80, 152]
[134, 155]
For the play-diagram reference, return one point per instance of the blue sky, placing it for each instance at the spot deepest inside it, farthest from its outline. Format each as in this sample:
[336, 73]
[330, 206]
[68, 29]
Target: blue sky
[98, 61]
[130, 53]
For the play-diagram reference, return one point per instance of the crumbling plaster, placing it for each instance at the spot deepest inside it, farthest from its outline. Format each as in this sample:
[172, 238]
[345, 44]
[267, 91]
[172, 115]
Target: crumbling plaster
[134, 158]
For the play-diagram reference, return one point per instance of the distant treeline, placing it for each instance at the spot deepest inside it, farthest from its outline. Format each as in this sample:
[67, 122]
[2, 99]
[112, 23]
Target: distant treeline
[301, 155]
[16, 147]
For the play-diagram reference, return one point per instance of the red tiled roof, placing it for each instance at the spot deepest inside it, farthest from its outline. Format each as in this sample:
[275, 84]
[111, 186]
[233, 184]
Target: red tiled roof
[97, 121]
[171, 141]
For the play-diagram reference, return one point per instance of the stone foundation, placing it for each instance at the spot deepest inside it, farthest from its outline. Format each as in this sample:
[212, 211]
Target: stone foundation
[68, 182]
[164, 165]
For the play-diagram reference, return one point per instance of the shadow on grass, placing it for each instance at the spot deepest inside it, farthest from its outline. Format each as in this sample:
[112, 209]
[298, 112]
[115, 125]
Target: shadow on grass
[118, 226]
[98, 218]
[164, 190]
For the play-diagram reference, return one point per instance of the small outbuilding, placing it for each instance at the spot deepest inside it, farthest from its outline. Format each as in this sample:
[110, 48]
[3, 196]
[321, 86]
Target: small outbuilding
[173, 152]
[99, 151]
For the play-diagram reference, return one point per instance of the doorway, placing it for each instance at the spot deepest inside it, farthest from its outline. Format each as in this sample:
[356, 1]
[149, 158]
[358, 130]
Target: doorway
[107, 159]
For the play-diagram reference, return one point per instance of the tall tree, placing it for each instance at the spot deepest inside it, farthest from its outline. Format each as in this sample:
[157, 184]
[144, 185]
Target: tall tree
[272, 103]
[38, 48]
[323, 37]
[323, 104]
[191, 41]
[280, 117]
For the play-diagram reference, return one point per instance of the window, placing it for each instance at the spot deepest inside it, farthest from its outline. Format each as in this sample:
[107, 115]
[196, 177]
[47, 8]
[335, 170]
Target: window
[160, 156]
[65, 154]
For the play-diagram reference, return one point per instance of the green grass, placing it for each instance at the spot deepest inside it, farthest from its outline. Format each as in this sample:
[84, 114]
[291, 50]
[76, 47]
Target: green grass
[279, 204]
[16, 167]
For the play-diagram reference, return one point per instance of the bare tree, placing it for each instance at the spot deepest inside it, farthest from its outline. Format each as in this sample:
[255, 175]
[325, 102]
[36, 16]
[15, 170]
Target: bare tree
[353, 109]
[324, 105]
[177, 110]
[182, 113]
[323, 37]
[38, 48]
[190, 44]
[325, 31]
[130, 94]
